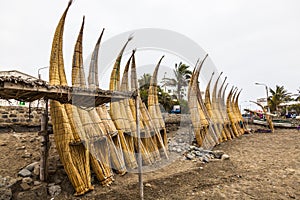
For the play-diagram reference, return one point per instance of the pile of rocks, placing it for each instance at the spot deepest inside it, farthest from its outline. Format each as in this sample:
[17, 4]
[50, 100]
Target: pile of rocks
[200, 154]
[27, 185]
[181, 140]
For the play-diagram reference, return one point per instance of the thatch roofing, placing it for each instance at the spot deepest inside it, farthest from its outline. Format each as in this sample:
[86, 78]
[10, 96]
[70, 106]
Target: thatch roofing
[33, 89]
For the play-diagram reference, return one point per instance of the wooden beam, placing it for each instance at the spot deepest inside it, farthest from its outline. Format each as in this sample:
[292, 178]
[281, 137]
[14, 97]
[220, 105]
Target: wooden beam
[63, 94]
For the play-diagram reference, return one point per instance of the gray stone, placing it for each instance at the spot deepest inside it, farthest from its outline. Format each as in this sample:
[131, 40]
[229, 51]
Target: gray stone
[174, 143]
[180, 140]
[198, 153]
[199, 149]
[27, 180]
[205, 159]
[24, 173]
[190, 156]
[225, 157]
[178, 150]
[31, 166]
[54, 190]
[173, 149]
[218, 154]
[5, 194]
[207, 151]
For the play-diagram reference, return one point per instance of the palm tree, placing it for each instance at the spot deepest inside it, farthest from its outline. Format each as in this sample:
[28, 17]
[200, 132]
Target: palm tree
[182, 77]
[279, 95]
[144, 81]
[298, 97]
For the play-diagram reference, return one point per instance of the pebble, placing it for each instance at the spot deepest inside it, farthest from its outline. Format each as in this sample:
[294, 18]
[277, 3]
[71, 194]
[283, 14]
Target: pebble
[27, 180]
[54, 190]
[3, 144]
[198, 153]
[174, 144]
[25, 186]
[32, 140]
[35, 183]
[190, 156]
[36, 170]
[24, 173]
[5, 193]
[27, 155]
[218, 154]
[205, 159]
[200, 149]
[225, 157]
[178, 150]
[21, 148]
[148, 185]
[31, 166]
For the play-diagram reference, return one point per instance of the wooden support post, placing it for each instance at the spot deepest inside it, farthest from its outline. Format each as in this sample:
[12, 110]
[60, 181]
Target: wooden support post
[45, 144]
[141, 187]
[191, 135]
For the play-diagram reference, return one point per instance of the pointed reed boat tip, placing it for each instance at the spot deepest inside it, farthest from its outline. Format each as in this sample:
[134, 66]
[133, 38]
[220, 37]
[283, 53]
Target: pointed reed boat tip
[131, 36]
[70, 3]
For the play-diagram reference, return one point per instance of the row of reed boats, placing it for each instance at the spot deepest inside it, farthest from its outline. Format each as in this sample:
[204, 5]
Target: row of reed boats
[215, 118]
[105, 141]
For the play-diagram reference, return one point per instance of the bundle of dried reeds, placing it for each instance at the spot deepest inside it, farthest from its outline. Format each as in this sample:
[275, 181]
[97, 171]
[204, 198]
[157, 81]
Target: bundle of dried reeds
[239, 114]
[217, 112]
[146, 156]
[95, 140]
[222, 109]
[212, 115]
[73, 157]
[107, 125]
[119, 118]
[235, 114]
[231, 114]
[210, 138]
[199, 116]
[155, 112]
[194, 108]
[145, 118]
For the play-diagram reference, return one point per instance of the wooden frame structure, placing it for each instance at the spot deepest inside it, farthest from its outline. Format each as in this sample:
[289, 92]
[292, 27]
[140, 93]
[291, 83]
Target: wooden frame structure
[30, 90]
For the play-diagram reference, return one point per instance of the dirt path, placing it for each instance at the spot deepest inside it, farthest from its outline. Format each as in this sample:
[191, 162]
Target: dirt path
[261, 166]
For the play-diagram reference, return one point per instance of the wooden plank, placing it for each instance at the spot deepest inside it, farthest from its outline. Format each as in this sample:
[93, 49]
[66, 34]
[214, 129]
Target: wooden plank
[65, 94]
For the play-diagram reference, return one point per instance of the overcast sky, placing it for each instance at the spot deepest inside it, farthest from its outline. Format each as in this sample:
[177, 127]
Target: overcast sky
[250, 41]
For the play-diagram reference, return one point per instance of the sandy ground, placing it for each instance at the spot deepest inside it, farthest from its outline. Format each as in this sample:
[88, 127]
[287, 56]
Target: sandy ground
[261, 166]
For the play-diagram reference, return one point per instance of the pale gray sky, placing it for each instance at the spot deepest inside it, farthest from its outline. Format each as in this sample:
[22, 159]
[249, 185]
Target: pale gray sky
[250, 41]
